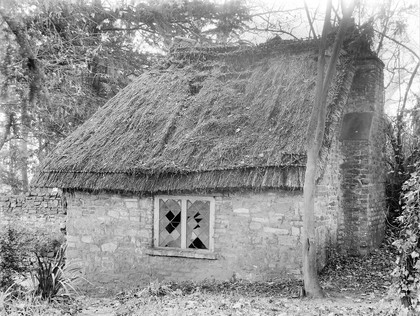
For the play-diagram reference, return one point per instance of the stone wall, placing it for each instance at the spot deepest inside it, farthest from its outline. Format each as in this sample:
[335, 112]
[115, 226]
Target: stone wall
[40, 209]
[257, 237]
[361, 225]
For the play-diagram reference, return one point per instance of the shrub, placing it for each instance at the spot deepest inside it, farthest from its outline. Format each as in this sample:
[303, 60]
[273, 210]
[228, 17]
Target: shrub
[407, 272]
[27, 252]
[14, 255]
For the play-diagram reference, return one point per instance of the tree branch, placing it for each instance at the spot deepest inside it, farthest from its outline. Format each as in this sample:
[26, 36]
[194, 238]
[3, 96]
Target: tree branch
[399, 43]
[276, 11]
[410, 82]
[309, 19]
[272, 30]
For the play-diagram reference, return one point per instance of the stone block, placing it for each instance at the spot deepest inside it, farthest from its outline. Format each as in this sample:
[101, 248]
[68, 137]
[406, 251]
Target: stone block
[87, 239]
[71, 238]
[276, 231]
[288, 240]
[134, 218]
[295, 231]
[71, 245]
[263, 220]
[241, 211]
[146, 204]
[146, 233]
[109, 247]
[94, 248]
[131, 203]
[255, 225]
[132, 232]
[124, 214]
[114, 214]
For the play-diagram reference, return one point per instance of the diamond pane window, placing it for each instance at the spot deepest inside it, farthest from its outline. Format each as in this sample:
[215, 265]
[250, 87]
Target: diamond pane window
[184, 222]
[198, 224]
[169, 223]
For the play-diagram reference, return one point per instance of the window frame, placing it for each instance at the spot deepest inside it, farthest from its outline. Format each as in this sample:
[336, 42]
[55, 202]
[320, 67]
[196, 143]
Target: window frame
[183, 249]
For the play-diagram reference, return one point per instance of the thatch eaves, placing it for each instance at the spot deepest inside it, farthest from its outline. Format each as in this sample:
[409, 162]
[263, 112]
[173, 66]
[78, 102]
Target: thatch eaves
[211, 118]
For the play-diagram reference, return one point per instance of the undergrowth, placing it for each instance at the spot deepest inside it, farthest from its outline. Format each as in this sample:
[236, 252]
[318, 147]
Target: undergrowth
[14, 254]
[407, 272]
[34, 273]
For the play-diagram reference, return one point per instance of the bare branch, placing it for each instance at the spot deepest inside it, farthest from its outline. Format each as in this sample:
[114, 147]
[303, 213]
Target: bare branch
[381, 40]
[271, 30]
[276, 11]
[309, 19]
[410, 82]
[399, 43]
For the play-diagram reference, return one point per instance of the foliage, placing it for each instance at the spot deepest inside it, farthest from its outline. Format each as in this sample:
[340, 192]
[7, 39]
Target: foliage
[27, 304]
[14, 252]
[80, 54]
[19, 247]
[407, 271]
[5, 297]
[55, 276]
[370, 274]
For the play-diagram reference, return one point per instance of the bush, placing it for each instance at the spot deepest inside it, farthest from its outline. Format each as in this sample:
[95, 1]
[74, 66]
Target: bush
[14, 255]
[21, 250]
[407, 272]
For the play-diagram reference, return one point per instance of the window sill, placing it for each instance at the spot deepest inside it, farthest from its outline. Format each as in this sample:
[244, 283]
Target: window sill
[183, 253]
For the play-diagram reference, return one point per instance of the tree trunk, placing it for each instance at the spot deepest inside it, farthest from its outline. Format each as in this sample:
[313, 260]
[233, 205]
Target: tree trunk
[315, 135]
[24, 146]
[36, 78]
[8, 119]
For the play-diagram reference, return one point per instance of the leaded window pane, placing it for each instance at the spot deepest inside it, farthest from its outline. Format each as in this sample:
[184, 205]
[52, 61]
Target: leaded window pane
[198, 224]
[169, 223]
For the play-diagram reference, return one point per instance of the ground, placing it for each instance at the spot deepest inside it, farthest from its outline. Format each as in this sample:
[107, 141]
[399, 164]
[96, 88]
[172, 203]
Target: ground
[353, 286]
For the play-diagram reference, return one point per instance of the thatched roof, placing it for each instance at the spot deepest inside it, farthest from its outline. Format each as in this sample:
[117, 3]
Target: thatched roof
[209, 118]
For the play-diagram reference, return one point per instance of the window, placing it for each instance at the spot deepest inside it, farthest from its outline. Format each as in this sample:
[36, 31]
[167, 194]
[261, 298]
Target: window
[184, 223]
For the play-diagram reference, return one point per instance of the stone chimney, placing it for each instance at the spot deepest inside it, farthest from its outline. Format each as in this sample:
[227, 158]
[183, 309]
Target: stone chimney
[362, 145]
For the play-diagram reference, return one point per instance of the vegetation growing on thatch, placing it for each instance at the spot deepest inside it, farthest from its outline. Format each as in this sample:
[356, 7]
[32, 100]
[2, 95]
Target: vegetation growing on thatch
[209, 118]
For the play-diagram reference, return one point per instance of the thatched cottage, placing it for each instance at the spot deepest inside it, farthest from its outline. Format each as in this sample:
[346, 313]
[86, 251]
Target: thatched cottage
[196, 169]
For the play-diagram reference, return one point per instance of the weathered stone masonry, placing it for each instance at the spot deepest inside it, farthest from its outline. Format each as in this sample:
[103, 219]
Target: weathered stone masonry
[257, 236]
[361, 225]
[39, 209]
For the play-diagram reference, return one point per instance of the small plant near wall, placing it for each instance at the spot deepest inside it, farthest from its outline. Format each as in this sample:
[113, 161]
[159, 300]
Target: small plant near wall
[407, 272]
[54, 277]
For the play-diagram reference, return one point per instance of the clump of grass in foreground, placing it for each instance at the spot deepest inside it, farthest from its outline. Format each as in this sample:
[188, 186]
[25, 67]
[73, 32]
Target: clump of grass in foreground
[15, 301]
